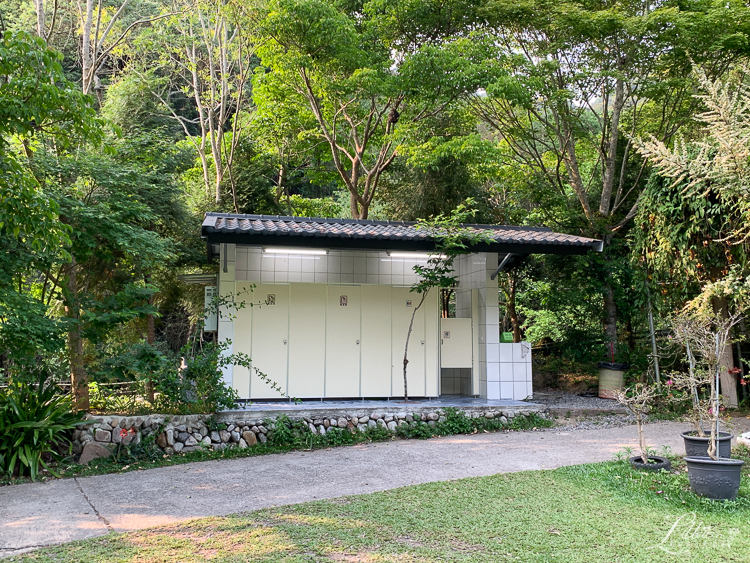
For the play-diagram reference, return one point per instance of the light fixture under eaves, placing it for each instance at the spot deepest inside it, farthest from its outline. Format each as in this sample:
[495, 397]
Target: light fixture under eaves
[416, 255]
[307, 251]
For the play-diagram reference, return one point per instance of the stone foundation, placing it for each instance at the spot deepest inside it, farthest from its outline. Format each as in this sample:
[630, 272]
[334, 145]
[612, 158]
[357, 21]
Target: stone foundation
[186, 433]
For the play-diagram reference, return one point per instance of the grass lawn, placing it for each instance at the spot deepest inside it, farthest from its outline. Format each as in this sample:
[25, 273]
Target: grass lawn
[590, 513]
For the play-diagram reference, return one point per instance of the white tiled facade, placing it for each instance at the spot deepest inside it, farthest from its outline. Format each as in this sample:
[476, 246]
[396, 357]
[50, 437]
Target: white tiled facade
[338, 266]
[500, 371]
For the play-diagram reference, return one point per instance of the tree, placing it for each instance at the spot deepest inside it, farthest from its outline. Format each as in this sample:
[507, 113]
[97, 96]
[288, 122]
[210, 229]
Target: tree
[451, 240]
[36, 104]
[206, 56]
[698, 223]
[100, 36]
[588, 76]
[363, 94]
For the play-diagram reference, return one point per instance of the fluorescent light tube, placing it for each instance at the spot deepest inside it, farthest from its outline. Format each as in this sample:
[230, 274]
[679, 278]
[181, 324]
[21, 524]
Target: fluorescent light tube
[295, 251]
[415, 255]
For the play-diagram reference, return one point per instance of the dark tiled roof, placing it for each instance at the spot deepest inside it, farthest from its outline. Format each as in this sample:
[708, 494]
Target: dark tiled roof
[277, 230]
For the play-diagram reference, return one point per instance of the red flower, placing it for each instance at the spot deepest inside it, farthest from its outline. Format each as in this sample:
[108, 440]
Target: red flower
[743, 381]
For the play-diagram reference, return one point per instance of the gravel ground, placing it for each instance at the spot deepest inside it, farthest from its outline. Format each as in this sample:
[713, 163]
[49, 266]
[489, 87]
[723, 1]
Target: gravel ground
[563, 400]
[555, 399]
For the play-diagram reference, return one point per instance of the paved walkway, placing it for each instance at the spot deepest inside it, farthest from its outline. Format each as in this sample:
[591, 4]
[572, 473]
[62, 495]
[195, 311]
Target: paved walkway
[39, 514]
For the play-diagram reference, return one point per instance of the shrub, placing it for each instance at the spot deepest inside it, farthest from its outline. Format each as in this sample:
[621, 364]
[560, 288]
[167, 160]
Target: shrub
[35, 421]
[417, 429]
[456, 422]
[199, 387]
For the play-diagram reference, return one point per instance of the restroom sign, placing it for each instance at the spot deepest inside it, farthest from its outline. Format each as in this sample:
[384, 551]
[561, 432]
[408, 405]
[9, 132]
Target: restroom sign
[343, 300]
[271, 299]
[408, 302]
[446, 334]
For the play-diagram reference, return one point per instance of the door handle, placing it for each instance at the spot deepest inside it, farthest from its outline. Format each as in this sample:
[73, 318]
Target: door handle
[422, 342]
[285, 341]
[357, 342]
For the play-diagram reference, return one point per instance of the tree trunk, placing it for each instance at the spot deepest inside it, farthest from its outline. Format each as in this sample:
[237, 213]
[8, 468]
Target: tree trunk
[78, 377]
[642, 438]
[40, 19]
[610, 321]
[726, 359]
[610, 160]
[406, 348]
[150, 339]
[87, 57]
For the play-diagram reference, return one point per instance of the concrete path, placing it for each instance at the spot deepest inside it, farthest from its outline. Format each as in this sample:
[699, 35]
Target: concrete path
[39, 514]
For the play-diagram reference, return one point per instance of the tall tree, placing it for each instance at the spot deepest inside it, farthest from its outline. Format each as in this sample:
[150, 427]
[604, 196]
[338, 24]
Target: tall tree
[37, 105]
[103, 30]
[697, 217]
[586, 77]
[363, 94]
[204, 58]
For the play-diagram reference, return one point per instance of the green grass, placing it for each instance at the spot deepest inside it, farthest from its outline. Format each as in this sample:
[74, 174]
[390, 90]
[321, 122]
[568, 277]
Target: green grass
[604, 512]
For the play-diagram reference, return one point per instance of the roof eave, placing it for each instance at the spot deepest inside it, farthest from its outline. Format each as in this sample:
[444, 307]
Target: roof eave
[281, 238]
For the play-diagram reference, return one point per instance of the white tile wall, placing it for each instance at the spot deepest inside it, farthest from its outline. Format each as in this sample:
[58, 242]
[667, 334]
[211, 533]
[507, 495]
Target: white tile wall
[338, 266]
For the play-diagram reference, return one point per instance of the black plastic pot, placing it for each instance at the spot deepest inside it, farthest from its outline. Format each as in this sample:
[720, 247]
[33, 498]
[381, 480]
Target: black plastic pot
[613, 366]
[695, 446]
[655, 463]
[717, 479]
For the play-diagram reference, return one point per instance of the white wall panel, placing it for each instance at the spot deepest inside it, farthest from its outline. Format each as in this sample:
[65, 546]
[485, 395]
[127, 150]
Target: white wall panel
[243, 325]
[432, 343]
[456, 343]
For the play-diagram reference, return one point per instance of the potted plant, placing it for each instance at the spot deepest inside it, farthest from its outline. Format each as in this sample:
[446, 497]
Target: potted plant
[713, 475]
[693, 335]
[638, 399]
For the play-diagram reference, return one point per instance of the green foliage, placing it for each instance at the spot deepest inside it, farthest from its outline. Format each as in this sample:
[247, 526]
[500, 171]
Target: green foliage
[456, 422]
[418, 429]
[199, 387]
[35, 423]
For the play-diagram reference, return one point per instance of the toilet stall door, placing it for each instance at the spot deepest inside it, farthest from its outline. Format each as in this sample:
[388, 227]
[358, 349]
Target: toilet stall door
[343, 319]
[270, 339]
[307, 340]
[376, 341]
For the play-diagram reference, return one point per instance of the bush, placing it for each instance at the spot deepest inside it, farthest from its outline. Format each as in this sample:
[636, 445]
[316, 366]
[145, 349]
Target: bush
[199, 387]
[35, 421]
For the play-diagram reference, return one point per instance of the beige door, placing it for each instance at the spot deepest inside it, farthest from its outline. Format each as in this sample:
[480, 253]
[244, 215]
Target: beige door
[403, 304]
[307, 340]
[270, 339]
[242, 339]
[376, 341]
[343, 319]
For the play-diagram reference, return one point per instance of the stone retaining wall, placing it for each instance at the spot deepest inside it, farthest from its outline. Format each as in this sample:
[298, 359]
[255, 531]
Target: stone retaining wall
[186, 433]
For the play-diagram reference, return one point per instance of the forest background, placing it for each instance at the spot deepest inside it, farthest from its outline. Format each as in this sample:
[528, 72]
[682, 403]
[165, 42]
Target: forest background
[123, 121]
